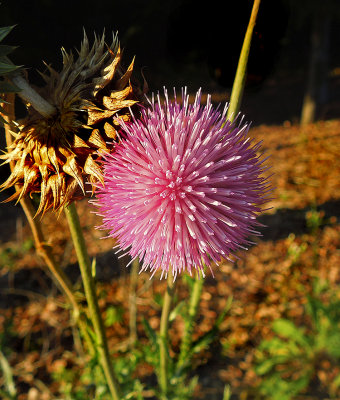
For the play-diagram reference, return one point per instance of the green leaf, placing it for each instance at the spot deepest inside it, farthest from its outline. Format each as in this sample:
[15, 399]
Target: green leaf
[4, 31]
[113, 315]
[3, 102]
[5, 50]
[6, 395]
[300, 384]
[6, 87]
[226, 393]
[288, 330]
[336, 382]
[189, 280]
[94, 268]
[7, 374]
[267, 365]
[224, 312]
[333, 344]
[177, 311]
[203, 342]
[151, 333]
[314, 307]
[158, 298]
[7, 68]
[273, 346]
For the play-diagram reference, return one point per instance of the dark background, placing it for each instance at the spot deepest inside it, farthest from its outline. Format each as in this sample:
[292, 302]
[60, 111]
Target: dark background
[183, 43]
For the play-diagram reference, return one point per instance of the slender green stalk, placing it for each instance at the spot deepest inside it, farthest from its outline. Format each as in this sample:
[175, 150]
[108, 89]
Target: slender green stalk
[7, 377]
[133, 302]
[91, 297]
[240, 77]
[163, 336]
[190, 321]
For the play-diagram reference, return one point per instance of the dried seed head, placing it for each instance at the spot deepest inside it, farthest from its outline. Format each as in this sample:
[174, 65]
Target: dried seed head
[53, 155]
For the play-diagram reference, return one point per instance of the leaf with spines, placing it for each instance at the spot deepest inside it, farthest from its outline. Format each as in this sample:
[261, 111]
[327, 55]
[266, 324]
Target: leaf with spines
[6, 68]
[4, 31]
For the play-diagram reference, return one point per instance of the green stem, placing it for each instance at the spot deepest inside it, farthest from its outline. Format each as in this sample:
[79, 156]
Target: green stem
[190, 321]
[240, 77]
[163, 335]
[91, 297]
[133, 302]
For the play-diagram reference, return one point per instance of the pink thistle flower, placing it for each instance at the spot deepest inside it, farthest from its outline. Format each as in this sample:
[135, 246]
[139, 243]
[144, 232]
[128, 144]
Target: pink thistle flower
[184, 187]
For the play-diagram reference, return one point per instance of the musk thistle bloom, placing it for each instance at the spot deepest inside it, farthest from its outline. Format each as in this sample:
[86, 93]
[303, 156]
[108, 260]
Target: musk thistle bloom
[55, 151]
[184, 187]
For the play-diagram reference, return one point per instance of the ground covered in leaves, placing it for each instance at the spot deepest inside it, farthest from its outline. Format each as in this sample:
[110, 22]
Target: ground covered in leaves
[296, 259]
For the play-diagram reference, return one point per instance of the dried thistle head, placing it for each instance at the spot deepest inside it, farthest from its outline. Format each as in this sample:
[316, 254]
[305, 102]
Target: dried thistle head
[54, 153]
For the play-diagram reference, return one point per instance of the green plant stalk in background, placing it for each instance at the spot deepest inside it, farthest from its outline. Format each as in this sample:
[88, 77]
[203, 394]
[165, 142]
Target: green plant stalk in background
[91, 297]
[241, 72]
[133, 302]
[190, 321]
[163, 336]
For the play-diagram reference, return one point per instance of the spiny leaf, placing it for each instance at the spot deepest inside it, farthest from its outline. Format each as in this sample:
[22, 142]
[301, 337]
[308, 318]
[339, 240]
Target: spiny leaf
[7, 68]
[5, 50]
[6, 87]
[5, 30]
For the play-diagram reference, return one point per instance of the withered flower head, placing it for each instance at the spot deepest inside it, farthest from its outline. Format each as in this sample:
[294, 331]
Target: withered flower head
[53, 155]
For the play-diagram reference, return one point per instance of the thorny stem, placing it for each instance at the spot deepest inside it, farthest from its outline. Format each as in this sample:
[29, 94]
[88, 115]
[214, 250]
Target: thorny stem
[163, 335]
[190, 321]
[42, 248]
[91, 297]
[240, 77]
[28, 94]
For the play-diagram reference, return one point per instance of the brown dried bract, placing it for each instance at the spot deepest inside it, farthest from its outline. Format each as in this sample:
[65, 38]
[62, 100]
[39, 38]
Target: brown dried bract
[54, 156]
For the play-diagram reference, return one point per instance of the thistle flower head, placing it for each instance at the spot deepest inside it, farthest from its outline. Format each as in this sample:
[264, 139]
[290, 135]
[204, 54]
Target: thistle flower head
[54, 154]
[184, 188]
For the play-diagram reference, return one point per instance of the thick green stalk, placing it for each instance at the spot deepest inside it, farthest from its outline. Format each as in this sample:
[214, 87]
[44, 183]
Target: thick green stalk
[91, 297]
[163, 335]
[240, 77]
[190, 321]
